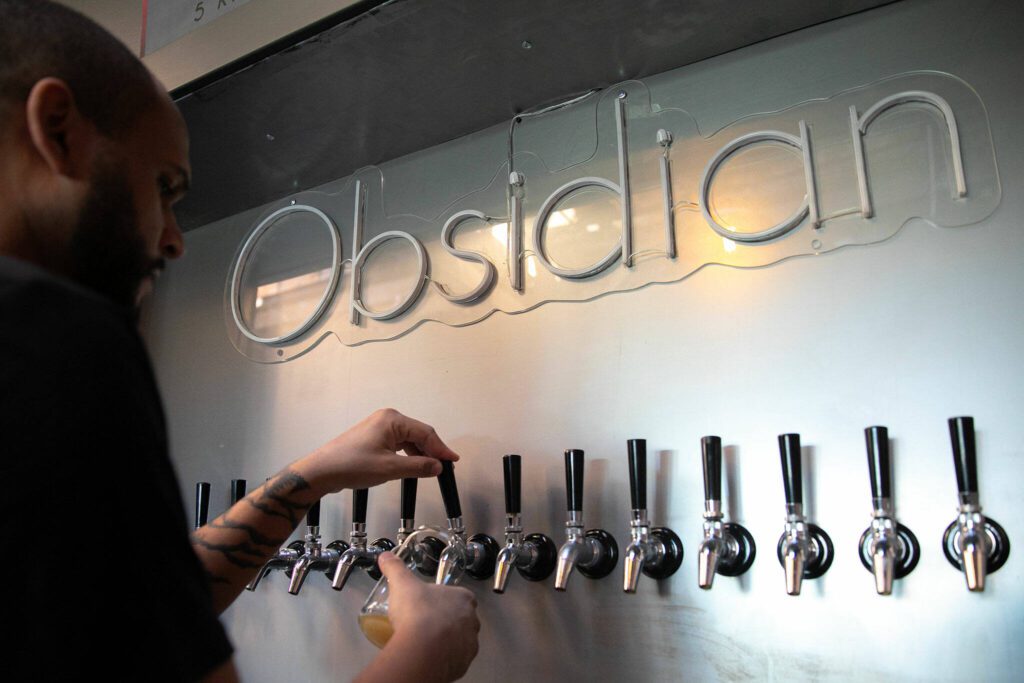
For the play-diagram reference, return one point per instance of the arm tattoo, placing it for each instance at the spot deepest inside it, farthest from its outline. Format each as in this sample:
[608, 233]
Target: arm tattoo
[274, 499]
[279, 492]
[255, 536]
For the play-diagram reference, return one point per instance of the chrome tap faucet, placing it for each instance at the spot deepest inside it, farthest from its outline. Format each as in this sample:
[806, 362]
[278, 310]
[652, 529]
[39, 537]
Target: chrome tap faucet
[888, 549]
[805, 551]
[657, 552]
[357, 554]
[975, 544]
[533, 556]
[314, 557]
[425, 551]
[594, 552]
[728, 548]
[476, 556]
[284, 560]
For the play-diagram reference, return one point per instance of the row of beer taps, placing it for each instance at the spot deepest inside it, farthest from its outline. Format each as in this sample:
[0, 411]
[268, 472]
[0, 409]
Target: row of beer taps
[973, 543]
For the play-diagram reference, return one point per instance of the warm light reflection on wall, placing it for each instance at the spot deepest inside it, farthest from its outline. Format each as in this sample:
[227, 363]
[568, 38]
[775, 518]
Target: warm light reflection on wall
[287, 302]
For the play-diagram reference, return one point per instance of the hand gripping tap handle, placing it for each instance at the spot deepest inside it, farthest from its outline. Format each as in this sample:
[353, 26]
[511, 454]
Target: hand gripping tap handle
[359, 500]
[202, 503]
[313, 516]
[237, 490]
[879, 464]
[637, 449]
[965, 459]
[711, 450]
[792, 475]
[449, 490]
[574, 480]
[408, 499]
[513, 484]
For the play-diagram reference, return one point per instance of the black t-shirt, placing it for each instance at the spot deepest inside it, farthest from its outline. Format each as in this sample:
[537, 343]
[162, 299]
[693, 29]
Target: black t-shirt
[100, 579]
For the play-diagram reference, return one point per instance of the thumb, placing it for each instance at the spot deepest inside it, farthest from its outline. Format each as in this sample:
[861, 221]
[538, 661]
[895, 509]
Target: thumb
[394, 569]
[419, 466]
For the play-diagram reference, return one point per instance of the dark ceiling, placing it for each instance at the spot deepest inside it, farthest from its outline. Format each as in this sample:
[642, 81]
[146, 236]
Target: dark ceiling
[405, 75]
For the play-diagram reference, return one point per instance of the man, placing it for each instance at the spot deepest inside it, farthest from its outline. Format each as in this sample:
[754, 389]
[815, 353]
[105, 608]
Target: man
[101, 579]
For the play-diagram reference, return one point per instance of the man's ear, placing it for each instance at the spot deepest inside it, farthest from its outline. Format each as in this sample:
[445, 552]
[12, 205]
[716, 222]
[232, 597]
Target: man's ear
[62, 137]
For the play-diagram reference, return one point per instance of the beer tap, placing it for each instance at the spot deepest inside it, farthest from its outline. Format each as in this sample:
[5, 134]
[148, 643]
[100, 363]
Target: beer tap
[285, 558]
[887, 548]
[975, 544]
[202, 503]
[237, 490]
[533, 556]
[728, 548]
[425, 552]
[805, 551]
[595, 552]
[657, 552]
[314, 557]
[475, 557]
[358, 554]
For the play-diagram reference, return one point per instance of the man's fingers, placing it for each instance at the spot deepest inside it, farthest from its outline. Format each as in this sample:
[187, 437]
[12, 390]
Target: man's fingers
[422, 436]
[394, 569]
[417, 466]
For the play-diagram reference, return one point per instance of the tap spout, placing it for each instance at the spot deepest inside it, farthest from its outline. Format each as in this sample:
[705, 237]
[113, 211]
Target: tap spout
[507, 557]
[451, 565]
[344, 569]
[795, 556]
[264, 570]
[568, 557]
[883, 553]
[284, 559]
[299, 573]
[707, 562]
[973, 549]
[635, 555]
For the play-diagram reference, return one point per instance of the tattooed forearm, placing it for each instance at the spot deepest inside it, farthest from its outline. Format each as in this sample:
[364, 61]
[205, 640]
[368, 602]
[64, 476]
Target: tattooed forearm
[231, 552]
[233, 547]
[279, 493]
[255, 536]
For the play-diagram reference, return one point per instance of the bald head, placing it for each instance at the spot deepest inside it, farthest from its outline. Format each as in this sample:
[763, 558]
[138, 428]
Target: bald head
[40, 39]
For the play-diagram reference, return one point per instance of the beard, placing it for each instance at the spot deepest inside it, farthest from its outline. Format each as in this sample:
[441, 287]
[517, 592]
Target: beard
[108, 255]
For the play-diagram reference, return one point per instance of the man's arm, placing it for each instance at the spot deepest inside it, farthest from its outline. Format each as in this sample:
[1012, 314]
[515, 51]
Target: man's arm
[235, 545]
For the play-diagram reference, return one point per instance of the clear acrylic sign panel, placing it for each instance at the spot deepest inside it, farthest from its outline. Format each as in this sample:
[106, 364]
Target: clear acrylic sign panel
[550, 219]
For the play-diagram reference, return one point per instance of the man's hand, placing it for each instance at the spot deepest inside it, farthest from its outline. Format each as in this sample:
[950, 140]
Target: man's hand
[367, 454]
[435, 630]
[236, 544]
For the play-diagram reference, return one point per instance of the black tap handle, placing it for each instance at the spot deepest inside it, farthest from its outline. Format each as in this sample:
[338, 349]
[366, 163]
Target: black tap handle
[637, 449]
[513, 484]
[449, 490]
[408, 500]
[792, 471]
[711, 449]
[574, 479]
[202, 502]
[879, 464]
[313, 516]
[237, 490]
[359, 500]
[965, 458]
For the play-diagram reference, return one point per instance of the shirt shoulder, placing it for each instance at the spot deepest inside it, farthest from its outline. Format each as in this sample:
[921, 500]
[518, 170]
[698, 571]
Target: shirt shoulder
[43, 313]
